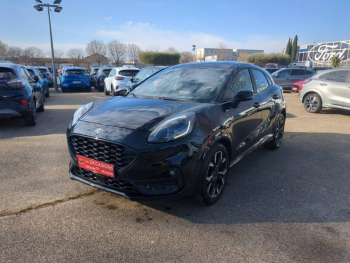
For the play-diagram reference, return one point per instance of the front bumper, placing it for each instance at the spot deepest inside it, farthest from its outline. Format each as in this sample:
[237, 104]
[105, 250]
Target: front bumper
[166, 170]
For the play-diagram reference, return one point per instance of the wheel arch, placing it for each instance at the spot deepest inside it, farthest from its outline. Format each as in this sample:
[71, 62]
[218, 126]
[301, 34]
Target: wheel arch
[310, 92]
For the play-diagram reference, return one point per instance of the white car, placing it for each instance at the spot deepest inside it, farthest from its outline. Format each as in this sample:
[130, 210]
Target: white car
[118, 77]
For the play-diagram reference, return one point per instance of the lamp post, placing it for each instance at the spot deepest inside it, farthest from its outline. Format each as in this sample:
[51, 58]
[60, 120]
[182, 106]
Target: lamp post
[40, 7]
[193, 50]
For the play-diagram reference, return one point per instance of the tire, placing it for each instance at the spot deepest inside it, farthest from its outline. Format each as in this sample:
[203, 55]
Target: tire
[112, 91]
[213, 174]
[277, 138]
[42, 105]
[63, 91]
[88, 90]
[30, 118]
[106, 91]
[313, 103]
[47, 94]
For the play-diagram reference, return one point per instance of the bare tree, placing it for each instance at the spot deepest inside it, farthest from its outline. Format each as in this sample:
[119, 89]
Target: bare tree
[171, 49]
[154, 48]
[97, 50]
[222, 52]
[58, 53]
[186, 57]
[13, 53]
[117, 51]
[243, 57]
[133, 51]
[77, 54]
[3, 50]
[34, 54]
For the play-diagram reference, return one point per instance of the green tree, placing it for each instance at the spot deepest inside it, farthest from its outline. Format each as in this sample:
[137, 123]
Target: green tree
[159, 58]
[260, 59]
[335, 62]
[288, 47]
[294, 48]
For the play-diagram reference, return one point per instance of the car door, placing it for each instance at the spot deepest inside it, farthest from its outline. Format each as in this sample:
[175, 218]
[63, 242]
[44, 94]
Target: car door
[245, 119]
[32, 83]
[282, 77]
[334, 87]
[109, 80]
[295, 75]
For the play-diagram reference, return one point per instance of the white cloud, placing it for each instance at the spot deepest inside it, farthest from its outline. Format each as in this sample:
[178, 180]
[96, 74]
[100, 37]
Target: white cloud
[147, 35]
[108, 18]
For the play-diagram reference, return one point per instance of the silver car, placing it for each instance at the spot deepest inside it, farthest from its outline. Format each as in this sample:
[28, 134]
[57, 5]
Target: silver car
[328, 88]
[285, 77]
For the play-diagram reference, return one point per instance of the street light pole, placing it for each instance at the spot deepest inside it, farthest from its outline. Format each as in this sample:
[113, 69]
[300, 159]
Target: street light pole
[40, 7]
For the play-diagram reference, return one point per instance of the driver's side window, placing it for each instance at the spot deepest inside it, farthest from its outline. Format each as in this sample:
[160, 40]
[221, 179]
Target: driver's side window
[242, 81]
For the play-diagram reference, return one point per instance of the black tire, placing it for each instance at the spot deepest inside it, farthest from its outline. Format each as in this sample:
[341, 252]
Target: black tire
[106, 91]
[213, 174]
[42, 105]
[112, 91]
[47, 94]
[30, 118]
[88, 90]
[277, 138]
[63, 91]
[313, 103]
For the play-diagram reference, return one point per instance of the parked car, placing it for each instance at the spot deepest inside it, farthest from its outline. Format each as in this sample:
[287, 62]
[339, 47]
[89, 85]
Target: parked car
[20, 94]
[142, 75]
[271, 65]
[46, 72]
[328, 88]
[117, 79]
[298, 85]
[93, 73]
[51, 70]
[100, 76]
[178, 132]
[33, 71]
[287, 76]
[271, 70]
[75, 78]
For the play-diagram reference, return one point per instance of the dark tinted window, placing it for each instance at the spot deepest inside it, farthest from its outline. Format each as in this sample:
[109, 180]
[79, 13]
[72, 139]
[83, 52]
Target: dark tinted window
[260, 80]
[31, 72]
[75, 71]
[309, 72]
[7, 74]
[297, 72]
[282, 73]
[42, 70]
[242, 81]
[337, 76]
[106, 72]
[128, 73]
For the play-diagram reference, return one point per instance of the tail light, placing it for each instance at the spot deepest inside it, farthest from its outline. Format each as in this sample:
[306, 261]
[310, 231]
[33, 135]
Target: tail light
[101, 81]
[16, 84]
[119, 78]
[65, 75]
[117, 87]
[24, 103]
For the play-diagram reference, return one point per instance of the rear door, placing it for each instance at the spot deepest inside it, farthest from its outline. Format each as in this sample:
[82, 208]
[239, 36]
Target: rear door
[333, 87]
[296, 75]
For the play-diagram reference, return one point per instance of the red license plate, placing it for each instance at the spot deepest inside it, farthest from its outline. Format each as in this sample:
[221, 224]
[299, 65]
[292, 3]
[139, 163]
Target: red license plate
[96, 166]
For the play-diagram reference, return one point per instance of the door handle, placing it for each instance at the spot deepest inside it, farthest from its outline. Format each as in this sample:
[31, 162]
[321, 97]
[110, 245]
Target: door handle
[275, 96]
[256, 105]
[323, 84]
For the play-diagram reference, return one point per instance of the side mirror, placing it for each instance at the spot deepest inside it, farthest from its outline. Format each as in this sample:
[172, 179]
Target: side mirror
[36, 79]
[244, 95]
[132, 79]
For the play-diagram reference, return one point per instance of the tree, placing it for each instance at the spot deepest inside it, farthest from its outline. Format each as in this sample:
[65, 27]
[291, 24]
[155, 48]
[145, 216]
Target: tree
[97, 50]
[242, 57]
[186, 57]
[294, 48]
[154, 48]
[288, 47]
[58, 53]
[76, 54]
[34, 54]
[221, 53]
[13, 53]
[3, 50]
[117, 51]
[335, 61]
[133, 51]
[159, 58]
[171, 49]
[261, 59]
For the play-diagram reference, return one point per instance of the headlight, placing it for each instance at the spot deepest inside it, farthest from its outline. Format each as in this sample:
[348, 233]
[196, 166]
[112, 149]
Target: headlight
[173, 128]
[81, 111]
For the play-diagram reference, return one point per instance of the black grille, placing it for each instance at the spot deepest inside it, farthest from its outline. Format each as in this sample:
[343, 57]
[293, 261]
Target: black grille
[106, 152]
[119, 185]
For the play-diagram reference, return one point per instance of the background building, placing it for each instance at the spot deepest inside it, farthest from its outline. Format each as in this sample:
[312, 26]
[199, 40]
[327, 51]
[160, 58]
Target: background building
[217, 54]
[320, 54]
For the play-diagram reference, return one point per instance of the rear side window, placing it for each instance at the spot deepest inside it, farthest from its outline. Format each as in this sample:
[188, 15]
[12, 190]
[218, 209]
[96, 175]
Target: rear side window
[25, 74]
[260, 80]
[309, 72]
[283, 73]
[297, 72]
[75, 71]
[42, 70]
[7, 75]
[337, 76]
[31, 72]
[106, 71]
[242, 81]
[128, 73]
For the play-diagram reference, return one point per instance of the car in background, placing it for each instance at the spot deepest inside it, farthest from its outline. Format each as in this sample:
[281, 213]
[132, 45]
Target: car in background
[20, 94]
[46, 72]
[75, 78]
[100, 76]
[321, 68]
[51, 70]
[177, 133]
[143, 74]
[93, 73]
[287, 76]
[117, 79]
[271, 70]
[271, 65]
[34, 71]
[327, 89]
[298, 85]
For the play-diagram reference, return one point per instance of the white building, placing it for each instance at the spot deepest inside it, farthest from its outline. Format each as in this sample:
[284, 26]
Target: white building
[216, 54]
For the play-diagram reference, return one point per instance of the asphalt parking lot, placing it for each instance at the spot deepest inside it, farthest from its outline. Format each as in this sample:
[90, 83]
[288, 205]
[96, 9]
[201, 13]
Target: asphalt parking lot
[291, 205]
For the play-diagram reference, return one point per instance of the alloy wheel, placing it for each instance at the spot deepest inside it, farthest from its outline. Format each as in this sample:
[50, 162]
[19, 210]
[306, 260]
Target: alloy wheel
[311, 103]
[215, 178]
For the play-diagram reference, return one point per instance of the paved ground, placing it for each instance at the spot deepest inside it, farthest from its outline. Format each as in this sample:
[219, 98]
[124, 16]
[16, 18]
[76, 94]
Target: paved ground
[292, 205]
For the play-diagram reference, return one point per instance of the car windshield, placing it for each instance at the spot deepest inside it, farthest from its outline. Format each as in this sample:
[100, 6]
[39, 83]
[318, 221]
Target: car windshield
[128, 73]
[186, 83]
[75, 71]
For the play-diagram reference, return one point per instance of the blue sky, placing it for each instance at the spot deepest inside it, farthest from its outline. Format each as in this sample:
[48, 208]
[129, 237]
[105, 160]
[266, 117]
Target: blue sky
[256, 24]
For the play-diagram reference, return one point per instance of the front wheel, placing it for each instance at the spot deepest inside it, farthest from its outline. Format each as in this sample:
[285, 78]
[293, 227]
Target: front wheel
[313, 103]
[213, 174]
[276, 141]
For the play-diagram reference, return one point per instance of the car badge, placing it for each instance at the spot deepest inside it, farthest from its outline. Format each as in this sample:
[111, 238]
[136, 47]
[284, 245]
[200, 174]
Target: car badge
[98, 130]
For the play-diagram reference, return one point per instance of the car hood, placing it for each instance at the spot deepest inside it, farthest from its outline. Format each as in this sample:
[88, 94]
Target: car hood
[136, 113]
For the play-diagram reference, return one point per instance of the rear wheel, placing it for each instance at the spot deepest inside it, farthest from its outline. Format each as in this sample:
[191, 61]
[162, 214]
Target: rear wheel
[30, 118]
[276, 141]
[313, 103]
[106, 91]
[112, 91]
[213, 174]
[47, 94]
[42, 105]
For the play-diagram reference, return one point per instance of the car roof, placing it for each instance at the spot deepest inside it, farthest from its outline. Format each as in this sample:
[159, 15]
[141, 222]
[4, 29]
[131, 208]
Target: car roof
[322, 72]
[67, 68]
[10, 65]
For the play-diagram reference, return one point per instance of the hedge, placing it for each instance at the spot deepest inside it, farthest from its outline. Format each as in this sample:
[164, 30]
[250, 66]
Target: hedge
[261, 59]
[159, 58]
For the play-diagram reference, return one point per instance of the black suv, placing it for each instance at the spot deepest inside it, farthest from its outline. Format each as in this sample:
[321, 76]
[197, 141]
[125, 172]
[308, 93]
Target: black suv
[178, 132]
[100, 76]
[20, 94]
